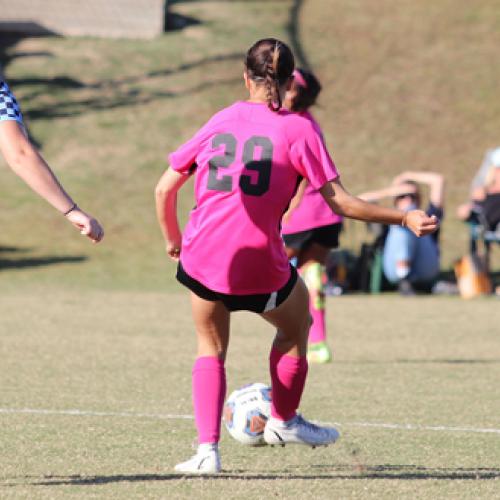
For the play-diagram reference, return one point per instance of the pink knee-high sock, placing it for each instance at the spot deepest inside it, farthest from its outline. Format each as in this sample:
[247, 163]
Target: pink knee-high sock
[317, 332]
[209, 391]
[288, 377]
[312, 275]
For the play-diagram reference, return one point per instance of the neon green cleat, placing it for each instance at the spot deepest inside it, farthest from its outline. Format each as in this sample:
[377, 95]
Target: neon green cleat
[319, 352]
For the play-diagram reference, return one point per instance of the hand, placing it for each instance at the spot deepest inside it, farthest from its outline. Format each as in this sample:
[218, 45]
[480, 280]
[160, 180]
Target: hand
[420, 223]
[174, 249]
[464, 211]
[86, 224]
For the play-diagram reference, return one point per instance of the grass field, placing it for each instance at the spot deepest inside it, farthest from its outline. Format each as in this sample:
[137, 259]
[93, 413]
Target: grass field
[415, 399]
[401, 90]
[96, 342]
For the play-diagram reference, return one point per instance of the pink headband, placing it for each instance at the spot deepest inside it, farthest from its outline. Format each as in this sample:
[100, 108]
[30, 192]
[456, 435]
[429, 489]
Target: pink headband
[299, 78]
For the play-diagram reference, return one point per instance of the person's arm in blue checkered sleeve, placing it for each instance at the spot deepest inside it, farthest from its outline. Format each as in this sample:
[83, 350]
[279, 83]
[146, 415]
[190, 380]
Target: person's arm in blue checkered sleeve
[9, 107]
[23, 158]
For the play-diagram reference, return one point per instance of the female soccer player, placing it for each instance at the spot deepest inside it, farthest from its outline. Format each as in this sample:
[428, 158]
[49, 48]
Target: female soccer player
[27, 163]
[247, 161]
[310, 228]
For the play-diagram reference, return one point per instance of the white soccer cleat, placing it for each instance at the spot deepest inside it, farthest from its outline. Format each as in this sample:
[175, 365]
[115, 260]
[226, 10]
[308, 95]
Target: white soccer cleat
[204, 462]
[298, 431]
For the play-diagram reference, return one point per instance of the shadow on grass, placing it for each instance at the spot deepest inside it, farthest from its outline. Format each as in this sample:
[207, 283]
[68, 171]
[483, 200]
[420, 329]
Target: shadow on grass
[131, 97]
[10, 36]
[114, 92]
[293, 29]
[8, 249]
[342, 472]
[118, 93]
[21, 263]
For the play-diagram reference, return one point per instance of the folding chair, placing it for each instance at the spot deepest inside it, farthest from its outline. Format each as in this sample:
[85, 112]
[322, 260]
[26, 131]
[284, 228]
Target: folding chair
[482, 236]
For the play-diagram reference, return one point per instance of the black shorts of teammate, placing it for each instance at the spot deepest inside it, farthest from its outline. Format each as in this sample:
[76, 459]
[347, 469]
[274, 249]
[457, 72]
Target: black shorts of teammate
[259, 303]
[326, 236]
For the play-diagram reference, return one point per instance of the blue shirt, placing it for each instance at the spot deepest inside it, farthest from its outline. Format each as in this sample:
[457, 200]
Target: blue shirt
[9, 107]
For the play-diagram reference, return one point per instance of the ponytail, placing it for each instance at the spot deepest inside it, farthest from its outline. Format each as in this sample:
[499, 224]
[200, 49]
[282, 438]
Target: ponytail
[272, 82]
[271, 62]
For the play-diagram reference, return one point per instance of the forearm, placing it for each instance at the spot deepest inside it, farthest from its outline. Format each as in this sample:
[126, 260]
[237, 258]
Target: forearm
[28, 164]
[343, 203]
[166, 212]
[435, 182]
[340, 201]
[355, 208]
[35, 172]
[166, 204]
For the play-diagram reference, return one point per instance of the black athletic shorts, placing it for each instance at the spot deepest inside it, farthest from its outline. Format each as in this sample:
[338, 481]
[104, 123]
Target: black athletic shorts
[258, 303]
[326, 236]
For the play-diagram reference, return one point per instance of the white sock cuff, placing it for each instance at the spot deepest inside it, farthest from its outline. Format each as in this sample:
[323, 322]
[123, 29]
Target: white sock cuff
[205, 447]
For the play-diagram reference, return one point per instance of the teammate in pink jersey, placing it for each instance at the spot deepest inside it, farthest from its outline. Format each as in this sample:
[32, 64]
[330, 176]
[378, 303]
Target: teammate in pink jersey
[310, 228]
[247, 161]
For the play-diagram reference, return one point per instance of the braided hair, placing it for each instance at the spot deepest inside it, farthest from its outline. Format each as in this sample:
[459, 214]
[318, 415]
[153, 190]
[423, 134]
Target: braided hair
[270, 62]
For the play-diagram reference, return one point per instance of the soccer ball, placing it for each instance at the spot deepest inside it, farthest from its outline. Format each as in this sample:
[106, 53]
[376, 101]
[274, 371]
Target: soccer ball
[246, 412]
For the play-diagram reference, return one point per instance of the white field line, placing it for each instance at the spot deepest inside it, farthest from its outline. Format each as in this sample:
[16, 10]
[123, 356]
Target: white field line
[415, 427]
[89, 413]
[168, 416]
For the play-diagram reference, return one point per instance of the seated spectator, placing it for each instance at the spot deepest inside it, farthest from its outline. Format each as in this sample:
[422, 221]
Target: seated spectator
[484, 206]
[410, 262]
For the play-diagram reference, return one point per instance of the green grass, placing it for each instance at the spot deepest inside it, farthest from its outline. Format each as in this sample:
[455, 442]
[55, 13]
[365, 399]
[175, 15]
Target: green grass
[406, 85]
[106, 329]
[434, 364]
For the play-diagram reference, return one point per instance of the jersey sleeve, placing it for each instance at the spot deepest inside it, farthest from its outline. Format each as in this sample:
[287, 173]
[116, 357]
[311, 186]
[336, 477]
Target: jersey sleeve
[183, 159]
[311, 159]
[9, 107]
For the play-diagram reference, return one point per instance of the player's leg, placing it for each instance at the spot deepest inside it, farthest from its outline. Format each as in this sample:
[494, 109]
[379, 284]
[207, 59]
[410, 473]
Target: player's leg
[211, 321]
[311, 263]
[288, 367]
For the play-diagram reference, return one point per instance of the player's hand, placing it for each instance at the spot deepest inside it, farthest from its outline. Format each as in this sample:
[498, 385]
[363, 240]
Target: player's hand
[420, 223]
[174, 249]
[86, 224]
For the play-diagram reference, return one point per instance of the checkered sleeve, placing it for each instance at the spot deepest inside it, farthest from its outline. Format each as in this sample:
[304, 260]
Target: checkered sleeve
[9, 107]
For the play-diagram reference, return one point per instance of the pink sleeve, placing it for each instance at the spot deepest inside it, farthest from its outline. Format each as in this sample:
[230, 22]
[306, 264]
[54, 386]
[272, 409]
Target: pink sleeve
[311, 158]
[183, 159]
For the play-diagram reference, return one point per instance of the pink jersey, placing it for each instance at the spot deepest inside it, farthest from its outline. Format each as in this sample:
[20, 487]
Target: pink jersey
[247, 161]
[312, 211]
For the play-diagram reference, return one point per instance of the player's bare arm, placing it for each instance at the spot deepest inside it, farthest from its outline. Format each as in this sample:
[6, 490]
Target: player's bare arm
[350, 206]
[23, 158]
[166, 210]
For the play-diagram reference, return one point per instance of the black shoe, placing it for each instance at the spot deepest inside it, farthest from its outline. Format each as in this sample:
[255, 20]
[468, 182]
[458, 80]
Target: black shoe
[406, 288]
